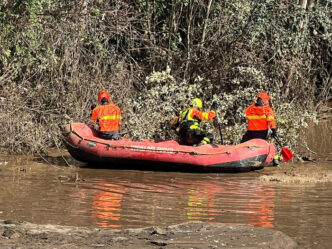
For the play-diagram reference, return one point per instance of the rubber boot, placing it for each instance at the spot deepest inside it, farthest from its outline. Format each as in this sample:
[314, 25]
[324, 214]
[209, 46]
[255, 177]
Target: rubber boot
[275, 161]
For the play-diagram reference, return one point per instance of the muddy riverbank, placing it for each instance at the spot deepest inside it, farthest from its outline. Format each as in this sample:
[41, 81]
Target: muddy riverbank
[301, 173]
[188, 235]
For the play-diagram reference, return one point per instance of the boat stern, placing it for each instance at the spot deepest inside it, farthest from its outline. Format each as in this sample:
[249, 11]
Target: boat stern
[272, 152]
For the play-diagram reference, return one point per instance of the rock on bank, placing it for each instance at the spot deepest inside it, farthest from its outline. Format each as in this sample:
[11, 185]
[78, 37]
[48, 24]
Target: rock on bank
[187, 235]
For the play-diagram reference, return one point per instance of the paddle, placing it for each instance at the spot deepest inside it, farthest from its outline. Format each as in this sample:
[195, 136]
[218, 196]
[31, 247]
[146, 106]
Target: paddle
[221, 139]
[285, 153]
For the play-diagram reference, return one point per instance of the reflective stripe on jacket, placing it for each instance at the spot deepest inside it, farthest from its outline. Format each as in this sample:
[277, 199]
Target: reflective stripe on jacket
[260, 117]
[109, 117]
[194, 116]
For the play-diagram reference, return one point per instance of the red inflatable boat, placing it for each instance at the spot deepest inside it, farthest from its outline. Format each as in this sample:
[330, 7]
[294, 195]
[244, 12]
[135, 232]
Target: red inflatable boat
[83, 145]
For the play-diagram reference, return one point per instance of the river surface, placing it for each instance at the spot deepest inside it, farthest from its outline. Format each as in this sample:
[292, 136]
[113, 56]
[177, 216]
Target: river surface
[39, 192]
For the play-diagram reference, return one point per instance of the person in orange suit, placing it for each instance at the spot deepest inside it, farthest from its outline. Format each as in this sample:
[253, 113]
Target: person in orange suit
[260, 117]
[106, 118]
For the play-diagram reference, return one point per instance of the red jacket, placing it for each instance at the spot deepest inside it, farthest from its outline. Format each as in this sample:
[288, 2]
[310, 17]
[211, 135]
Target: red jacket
[109, 117]
[260, 118]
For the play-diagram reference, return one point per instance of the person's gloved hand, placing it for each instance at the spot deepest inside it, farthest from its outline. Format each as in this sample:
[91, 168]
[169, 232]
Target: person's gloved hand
[214, 106]
[274, 132]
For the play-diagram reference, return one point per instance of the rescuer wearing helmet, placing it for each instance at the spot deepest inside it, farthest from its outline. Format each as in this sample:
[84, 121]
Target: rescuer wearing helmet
[189, 121]
[106, 117]
[260, 118]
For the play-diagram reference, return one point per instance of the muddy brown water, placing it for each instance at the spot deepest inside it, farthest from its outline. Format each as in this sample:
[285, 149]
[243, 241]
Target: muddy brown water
[52, 193]
[39, 193]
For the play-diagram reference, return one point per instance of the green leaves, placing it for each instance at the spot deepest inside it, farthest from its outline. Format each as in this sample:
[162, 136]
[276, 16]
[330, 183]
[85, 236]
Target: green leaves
[7, 53]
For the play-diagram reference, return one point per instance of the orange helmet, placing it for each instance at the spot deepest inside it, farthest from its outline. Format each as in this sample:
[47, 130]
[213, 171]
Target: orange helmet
[103, 94]
[264, 96]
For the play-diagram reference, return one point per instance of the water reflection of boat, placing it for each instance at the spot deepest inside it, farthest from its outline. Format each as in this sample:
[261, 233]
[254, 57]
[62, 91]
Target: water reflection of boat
[262, 208]
[83, 144]
[106, 206]
[120, 203]
[200, 205]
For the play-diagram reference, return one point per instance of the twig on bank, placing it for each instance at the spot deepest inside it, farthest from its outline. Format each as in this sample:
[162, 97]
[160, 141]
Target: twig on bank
[304, 144]
[48, 161]
[68, 164]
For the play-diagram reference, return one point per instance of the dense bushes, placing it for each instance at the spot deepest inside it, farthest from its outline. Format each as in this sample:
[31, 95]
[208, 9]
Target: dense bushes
[153, 57]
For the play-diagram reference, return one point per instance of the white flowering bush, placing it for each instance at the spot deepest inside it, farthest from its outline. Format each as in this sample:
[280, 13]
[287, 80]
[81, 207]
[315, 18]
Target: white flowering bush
[164, 98]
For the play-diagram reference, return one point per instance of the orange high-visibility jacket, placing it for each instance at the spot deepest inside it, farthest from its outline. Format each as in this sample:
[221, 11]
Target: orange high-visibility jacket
[195, 115]
[260, 118]
[109, 117]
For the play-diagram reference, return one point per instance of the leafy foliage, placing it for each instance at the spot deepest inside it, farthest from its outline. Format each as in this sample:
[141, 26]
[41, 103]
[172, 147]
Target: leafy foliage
[154, 57]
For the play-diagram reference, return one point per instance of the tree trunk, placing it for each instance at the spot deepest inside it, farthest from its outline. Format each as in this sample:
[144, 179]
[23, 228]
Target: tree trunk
[304, 3]
[206, 21]
[191, 9]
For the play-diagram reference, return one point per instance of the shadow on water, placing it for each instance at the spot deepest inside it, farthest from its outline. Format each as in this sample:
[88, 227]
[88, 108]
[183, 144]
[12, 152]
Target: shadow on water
[163, 167]
[69, 161]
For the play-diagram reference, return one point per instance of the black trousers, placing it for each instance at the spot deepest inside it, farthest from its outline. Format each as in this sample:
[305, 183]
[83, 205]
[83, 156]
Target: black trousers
[109, 135]
[193, 136]
[262, 134]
